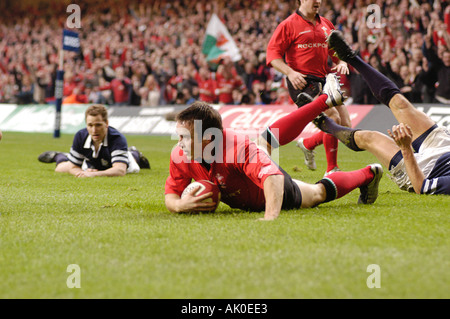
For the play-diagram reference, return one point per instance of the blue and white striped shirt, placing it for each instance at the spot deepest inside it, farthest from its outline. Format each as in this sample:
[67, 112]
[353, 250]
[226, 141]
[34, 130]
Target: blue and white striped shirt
[113, 149]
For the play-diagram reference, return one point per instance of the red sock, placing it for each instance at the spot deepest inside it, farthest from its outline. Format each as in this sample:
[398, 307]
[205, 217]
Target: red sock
[291, 125]
[345, 182]
[331, 146]
[314, 140]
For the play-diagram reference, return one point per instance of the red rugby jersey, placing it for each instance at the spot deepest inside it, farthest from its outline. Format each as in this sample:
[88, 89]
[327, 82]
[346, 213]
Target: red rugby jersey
[232, 83]
[207, 85]
[302, 45]
[240, 174]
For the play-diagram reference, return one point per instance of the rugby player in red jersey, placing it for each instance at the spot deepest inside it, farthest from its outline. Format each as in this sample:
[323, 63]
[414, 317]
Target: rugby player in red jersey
[206, 85]
[247, 177]
[298, 49]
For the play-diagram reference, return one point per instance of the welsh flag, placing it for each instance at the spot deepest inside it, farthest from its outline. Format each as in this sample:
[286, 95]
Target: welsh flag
[218, 42]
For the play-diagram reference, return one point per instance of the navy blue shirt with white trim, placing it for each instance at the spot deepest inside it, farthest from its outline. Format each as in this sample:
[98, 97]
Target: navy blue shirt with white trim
[113, 149]
[438, 182]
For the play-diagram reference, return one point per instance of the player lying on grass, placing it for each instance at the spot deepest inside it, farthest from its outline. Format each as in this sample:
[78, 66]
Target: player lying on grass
[247, 177]
[417, 151]
[97, 150]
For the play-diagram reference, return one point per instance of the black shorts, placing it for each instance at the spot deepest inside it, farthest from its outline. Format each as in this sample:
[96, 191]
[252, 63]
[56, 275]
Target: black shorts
[292, 196]
[313, 87]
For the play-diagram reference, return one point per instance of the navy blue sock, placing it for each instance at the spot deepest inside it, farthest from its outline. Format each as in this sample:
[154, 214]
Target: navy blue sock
[60, 157]
[381, 86]
[342, 133]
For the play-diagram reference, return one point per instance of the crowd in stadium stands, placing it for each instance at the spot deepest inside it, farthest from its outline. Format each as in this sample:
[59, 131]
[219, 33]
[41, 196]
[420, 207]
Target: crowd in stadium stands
[148, 53]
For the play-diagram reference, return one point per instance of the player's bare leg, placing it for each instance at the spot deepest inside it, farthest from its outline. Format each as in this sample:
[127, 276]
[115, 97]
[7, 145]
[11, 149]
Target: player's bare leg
[406, 113]
[380, 145]
[63, 167]
[312, 194]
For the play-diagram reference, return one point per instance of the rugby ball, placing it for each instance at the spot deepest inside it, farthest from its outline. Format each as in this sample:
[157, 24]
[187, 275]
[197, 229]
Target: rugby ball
[205, 187]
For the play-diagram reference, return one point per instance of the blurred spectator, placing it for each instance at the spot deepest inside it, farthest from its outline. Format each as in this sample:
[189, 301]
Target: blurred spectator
[437, 68]
[135, 96]
[77, 96]
[163, 39]
[260, 93]
[237, 97]
[249, 98]
[282, 96]
[120, 87]
[25, 95]
[150, 92]
[227, 80]
[206, 85]
[249, 74]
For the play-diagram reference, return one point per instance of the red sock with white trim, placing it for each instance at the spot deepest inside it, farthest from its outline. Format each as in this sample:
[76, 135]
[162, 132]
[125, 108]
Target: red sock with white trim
[341, 183]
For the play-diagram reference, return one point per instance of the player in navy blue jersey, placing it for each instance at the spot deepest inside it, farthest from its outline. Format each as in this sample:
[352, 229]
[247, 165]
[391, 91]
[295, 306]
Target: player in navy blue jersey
[97, 150]
[417, 152]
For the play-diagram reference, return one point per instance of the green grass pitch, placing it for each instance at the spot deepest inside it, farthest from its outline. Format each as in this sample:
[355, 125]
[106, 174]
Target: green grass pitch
[127, 245]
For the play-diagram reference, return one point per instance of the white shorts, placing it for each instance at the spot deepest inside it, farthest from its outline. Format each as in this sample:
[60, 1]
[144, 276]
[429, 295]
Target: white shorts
[133, 166]
[435, 144]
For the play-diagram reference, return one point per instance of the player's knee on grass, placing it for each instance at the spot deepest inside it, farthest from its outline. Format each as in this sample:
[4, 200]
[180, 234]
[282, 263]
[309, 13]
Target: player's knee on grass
[63, 167]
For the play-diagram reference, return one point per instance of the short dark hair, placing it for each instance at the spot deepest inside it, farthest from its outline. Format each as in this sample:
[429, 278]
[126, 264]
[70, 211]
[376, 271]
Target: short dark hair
[97, 109]
[201, 111]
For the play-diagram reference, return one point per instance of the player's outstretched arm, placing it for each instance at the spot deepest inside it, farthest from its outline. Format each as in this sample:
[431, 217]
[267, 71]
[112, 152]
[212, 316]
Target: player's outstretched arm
[273, 193]
[402, 135]
[117, 169]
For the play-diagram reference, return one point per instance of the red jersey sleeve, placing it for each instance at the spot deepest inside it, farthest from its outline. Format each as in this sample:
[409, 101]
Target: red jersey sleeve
[278, 43]
[178, 178]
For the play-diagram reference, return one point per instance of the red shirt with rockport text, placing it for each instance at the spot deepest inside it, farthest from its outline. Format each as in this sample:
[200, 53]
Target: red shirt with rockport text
[302, 44]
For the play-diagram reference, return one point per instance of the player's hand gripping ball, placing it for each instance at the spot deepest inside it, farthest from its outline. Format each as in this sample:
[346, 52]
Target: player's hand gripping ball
[205, 187]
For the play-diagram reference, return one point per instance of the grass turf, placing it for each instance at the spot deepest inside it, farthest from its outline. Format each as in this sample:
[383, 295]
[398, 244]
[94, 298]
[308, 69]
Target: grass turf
[128, 245]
